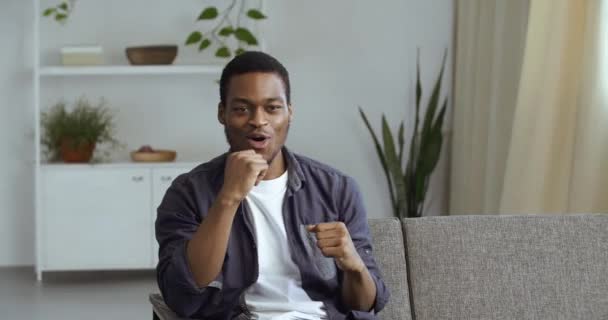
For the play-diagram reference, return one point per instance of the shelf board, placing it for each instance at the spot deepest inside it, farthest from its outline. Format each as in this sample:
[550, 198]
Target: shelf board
[126, 164]
[214, 69]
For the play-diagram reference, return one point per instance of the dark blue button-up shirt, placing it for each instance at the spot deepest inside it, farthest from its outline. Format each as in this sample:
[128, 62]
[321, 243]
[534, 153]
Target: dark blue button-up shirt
[315, 193]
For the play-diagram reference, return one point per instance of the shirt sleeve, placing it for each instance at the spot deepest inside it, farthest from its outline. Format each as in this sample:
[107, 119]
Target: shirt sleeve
[355, 219]
[177, 221]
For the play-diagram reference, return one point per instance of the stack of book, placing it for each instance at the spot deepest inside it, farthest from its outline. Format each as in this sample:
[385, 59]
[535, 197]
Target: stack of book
[82, 55]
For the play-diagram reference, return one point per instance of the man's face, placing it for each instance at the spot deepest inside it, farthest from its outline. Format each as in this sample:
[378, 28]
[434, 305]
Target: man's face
[256, 115]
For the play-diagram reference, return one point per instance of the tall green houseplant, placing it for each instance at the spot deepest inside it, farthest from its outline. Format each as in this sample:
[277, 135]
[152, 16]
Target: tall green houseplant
[408, 186]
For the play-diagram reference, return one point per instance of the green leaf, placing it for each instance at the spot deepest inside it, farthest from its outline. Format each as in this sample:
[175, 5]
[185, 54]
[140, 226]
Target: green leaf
[414, 142]
[401, 142]
[393, 164]
[226, 31]
[418, 86]
[223, 52]
[63, 6]
[61, 17]
[429, 154]
[194, 37]
[432, 149]
[208, 14]
[434, 101]
[382, 159]
[239, 51]
[204, 44]
[245, 35]
[420, 180]
[255, 14]
[48, 12]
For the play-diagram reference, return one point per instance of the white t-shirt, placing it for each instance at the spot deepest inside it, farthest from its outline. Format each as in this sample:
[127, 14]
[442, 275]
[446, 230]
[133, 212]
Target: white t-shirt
[278, 293]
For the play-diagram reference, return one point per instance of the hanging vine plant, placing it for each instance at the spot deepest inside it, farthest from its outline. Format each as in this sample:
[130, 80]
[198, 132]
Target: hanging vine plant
[225, 31]
[60, 12]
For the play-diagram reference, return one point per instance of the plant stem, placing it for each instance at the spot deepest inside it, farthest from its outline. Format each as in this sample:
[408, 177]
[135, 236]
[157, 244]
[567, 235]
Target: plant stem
[238, 20]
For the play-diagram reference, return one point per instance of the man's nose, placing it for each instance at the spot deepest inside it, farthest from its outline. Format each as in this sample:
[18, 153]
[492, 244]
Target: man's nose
[258, 118]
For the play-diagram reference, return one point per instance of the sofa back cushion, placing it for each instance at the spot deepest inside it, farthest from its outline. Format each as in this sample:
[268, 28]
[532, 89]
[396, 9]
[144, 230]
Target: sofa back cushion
[508, 267]
[387, 238]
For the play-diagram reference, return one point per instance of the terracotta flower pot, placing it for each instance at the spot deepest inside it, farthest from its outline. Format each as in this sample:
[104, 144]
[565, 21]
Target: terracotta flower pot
[76, 153]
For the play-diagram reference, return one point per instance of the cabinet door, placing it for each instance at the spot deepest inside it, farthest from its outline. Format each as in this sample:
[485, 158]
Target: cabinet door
[162, 179]
[96, 218]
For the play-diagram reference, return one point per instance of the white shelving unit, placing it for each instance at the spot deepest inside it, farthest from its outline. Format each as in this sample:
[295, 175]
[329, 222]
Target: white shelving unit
[68, 193]
[130, 70]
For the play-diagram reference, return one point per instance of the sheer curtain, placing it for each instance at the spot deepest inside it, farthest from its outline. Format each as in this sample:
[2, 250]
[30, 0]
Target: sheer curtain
[546, 148]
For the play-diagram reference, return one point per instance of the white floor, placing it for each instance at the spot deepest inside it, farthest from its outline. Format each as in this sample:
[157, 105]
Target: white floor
[80, 295]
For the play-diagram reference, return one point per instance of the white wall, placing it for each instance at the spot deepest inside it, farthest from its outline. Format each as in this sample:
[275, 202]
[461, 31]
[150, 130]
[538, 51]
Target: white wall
[340, 54]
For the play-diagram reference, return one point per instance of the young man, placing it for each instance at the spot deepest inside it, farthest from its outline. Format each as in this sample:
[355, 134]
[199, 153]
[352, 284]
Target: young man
[261, 232]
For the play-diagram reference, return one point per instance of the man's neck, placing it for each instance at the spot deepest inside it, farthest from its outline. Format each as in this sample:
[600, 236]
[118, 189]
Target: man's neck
[277, 167]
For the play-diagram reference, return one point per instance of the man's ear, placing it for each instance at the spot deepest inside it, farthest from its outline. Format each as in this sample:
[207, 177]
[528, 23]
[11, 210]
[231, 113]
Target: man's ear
[220, 113]
[290, 109]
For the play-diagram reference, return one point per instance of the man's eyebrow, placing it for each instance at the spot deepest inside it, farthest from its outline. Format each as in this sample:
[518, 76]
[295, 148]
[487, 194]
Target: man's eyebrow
[247, 101]
[275, 99]
[243, 100]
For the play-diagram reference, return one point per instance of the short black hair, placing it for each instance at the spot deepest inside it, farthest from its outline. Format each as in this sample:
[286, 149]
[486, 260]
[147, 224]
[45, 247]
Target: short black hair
[253, 61]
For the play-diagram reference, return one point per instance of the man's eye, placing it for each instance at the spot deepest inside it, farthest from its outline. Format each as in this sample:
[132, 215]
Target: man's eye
[275, 107]
[240, 109]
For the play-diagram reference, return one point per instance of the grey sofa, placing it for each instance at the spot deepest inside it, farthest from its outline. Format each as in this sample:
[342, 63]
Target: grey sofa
[489, 267]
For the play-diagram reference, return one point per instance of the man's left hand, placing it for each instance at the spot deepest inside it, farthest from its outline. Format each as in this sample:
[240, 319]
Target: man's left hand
[334, 241]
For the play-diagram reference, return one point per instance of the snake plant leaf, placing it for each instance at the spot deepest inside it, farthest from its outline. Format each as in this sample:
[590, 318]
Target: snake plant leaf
[429, 155]
[380, 154]
[434, 101]
[401, 143]
[419, 179]
[394, 166]
[418, 86]
[414, 144]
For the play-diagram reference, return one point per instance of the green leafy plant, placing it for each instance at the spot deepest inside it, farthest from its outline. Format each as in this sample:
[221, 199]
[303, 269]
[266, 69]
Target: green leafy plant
[60, 12]
[408, 187]
[224, 29]
[84, 124]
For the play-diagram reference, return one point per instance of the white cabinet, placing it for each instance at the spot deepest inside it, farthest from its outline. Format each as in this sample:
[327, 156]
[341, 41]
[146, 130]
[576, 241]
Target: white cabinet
[101, 217]
[97, 219]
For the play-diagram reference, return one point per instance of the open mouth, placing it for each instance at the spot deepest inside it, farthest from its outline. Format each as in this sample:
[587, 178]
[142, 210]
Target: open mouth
[258, 141]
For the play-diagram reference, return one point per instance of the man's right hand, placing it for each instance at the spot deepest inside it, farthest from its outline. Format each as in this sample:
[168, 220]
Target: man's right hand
[243, 170]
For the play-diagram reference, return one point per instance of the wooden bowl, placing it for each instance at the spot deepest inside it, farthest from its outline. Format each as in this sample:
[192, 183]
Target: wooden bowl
[152, 55]
[156, 156]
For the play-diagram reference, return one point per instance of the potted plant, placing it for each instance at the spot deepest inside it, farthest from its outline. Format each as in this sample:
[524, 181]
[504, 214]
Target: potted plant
[73, 135]
[408, 186]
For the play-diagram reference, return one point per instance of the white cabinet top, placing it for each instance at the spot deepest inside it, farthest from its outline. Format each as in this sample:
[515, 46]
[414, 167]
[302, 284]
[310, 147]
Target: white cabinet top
[130, 70]
[113, 165]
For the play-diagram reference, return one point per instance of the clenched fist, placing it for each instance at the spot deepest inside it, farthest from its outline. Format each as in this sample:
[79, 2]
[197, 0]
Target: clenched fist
[243, 170]
[334, 241]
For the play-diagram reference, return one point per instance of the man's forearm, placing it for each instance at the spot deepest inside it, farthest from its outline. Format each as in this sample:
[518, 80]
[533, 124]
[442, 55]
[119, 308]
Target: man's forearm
[359, 290]
[207, 248]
